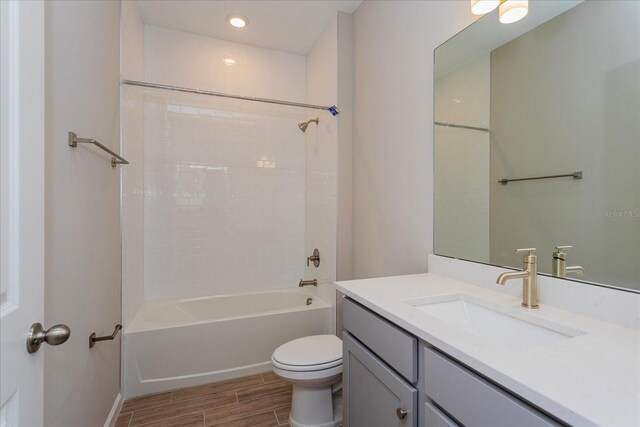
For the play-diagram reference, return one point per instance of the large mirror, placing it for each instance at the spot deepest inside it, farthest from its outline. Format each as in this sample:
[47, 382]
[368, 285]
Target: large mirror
[537, 141]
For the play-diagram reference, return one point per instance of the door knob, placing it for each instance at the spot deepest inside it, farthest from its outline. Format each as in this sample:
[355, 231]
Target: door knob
[55, 335]
[401, 413]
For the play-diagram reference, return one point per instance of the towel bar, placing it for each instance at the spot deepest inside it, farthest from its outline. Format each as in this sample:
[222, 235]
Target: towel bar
[116, 159]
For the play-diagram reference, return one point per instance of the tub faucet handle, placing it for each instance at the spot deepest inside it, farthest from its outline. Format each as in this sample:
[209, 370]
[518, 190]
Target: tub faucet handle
[315, 258]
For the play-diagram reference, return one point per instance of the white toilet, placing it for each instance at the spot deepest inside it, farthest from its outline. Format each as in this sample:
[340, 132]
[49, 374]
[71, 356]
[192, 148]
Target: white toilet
[314, 366]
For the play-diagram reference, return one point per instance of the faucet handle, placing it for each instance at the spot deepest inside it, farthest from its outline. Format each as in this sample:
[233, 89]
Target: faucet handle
[559, 248]
[529, 250]
[528, 257]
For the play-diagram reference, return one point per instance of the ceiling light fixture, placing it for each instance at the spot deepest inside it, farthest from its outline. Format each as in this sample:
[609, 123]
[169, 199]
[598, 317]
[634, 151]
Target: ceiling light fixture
[481, 7]
[237, 21]
[509, 11]
[229, 61]
[513, 10]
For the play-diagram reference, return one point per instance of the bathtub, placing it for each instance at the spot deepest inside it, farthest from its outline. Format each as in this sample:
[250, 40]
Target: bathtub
[186, 342]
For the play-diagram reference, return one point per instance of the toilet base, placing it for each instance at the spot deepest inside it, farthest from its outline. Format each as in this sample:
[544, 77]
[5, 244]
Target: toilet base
[315, 407]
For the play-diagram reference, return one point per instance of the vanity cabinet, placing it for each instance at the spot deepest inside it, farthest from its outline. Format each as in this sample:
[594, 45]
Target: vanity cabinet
[390, 378]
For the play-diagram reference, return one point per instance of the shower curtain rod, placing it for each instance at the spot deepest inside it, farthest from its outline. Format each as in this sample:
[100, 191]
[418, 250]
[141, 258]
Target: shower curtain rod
[333, 109]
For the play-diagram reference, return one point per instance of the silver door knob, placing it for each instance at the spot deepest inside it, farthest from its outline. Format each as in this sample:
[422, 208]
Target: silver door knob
[401, 413]
[55, 335]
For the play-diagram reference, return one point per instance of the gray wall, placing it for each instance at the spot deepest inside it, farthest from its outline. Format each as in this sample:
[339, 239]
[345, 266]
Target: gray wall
[580, 76]
[393, 46]
[82, 223]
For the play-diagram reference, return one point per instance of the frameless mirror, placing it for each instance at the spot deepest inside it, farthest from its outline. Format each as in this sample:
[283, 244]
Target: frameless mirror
[537, 141]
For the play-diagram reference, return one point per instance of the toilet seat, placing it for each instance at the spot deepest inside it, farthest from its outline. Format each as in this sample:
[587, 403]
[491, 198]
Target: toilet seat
[313, 353]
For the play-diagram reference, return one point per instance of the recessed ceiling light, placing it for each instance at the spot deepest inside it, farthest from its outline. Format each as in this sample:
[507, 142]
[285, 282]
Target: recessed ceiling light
[229, 61]
[237, 21]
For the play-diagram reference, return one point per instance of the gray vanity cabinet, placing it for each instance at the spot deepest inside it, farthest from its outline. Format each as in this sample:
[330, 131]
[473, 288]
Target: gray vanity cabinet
[373, 394]
[386, 384]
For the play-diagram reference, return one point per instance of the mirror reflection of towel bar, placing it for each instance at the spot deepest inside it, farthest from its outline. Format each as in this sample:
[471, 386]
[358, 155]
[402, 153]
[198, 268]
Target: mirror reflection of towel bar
[575, 175]
[455, 125]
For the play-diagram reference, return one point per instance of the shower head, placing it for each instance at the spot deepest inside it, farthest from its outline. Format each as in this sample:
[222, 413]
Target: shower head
[303, 126]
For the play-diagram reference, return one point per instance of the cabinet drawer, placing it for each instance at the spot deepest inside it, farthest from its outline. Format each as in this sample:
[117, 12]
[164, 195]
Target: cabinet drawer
[472, 400]
[397, 348]
[434, 417]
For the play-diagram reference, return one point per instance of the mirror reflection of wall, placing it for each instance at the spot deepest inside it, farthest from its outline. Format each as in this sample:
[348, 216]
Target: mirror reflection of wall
[462, 161]
[561, 98]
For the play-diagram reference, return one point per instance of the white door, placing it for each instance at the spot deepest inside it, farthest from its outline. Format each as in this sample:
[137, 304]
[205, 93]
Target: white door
[21, 209]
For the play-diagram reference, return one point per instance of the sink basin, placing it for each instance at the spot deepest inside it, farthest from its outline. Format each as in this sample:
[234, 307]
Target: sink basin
[494, 322]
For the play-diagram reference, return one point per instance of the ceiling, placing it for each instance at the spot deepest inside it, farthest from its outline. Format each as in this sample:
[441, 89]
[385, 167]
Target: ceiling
[285, 25]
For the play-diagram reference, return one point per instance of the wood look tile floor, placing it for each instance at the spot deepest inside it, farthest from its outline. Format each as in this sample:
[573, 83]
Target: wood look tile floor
[262, 400]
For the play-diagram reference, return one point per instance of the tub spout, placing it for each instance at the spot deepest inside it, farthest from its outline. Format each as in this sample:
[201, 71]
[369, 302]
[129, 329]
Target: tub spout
[313, 282]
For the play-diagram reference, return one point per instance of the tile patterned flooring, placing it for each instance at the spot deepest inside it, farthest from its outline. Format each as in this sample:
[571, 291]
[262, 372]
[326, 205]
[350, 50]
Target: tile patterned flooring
[261, 400]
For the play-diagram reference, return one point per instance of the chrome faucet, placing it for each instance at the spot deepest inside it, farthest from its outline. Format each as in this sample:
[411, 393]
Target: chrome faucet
[529, 276]
[313, 282]
[559, 267]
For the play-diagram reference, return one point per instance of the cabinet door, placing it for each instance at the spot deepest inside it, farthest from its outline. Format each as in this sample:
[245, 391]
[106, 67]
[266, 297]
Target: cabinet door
[434, 417]
[373, 394]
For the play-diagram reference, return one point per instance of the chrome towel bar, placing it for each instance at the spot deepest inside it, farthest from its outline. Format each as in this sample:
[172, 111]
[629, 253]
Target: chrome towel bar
[116, 159]
[93, 339]
[575, 175]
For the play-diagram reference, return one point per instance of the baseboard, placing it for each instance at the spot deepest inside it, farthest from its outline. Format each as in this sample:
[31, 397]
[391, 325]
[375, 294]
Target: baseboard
[115, 410]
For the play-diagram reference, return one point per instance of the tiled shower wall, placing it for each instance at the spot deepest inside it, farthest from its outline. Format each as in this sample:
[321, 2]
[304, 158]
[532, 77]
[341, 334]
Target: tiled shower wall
[224, 180]
[224, 196]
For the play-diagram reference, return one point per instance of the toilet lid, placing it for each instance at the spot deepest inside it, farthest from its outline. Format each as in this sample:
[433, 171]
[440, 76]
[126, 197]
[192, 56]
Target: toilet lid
[314, 352]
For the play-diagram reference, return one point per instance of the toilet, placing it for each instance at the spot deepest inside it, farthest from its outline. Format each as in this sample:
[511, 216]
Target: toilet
[314, 365]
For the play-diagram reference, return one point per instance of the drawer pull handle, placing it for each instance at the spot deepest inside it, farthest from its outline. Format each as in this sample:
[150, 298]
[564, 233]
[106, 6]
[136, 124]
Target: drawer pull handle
[401, 413]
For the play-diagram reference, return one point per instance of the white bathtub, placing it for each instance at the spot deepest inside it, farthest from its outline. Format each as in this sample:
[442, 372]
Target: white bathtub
[185, 342]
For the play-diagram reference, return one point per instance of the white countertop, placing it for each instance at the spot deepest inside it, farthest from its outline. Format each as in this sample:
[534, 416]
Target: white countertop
[591, 379]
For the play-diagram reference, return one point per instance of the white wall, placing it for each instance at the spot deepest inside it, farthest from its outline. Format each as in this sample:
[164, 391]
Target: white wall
[461, 162]
[82, 221]
[393, 131]
[344, 268]
[224, 179]
[185, 59]
[584, 118]
[132, 42]
[132, 147]
[321, 143]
